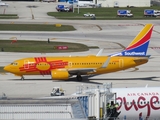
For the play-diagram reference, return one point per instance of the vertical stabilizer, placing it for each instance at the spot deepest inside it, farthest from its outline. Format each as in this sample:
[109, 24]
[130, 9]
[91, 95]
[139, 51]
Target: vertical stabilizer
[139, 45]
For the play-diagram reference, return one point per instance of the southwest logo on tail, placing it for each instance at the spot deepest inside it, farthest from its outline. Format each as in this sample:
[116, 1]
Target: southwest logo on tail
[62, 68]
[139, 45]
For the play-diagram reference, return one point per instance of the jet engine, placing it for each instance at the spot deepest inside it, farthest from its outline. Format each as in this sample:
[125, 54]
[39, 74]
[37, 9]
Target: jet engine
[60, 75]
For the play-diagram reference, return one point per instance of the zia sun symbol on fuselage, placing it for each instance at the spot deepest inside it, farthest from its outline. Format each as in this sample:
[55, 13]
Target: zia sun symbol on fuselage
[43, 66]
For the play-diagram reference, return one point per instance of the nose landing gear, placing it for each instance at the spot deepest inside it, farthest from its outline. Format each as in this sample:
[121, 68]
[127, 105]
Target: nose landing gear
[22, 78]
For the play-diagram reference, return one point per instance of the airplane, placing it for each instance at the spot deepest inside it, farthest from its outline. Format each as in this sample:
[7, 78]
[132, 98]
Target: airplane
[137, 103]
[62, 68]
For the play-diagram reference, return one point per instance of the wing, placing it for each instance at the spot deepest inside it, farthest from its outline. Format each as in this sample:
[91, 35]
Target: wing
[82, 71]
[87, 71]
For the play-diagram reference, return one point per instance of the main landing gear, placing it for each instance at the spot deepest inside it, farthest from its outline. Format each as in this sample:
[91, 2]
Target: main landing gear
[79, 77]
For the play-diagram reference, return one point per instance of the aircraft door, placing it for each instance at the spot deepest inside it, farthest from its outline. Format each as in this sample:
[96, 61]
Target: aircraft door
[26, 64]
[70, 64]
[121, 63]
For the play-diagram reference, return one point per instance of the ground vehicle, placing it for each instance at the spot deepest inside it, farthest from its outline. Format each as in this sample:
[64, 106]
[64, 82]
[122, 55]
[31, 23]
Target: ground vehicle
[57, 91]
[151, 13]
[3, 4]
[64, 8]
[124, 13]
[88, 15]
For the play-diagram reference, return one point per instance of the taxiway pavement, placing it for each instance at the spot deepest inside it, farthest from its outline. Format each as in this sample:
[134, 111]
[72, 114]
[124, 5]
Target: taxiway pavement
[110, 35]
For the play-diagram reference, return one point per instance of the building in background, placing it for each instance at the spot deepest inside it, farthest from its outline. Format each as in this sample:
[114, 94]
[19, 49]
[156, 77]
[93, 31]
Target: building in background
[107, 3]
[123, 3]
[115, 3]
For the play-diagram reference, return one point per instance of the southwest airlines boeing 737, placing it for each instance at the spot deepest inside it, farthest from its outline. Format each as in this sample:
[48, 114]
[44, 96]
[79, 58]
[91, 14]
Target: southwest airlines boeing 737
[62, 68]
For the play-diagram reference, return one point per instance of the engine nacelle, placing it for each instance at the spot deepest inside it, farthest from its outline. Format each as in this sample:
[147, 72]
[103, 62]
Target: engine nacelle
[60, 75]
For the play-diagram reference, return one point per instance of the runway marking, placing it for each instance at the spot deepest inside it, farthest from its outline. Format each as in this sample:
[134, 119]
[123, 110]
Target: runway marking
[135, 25]
[155, 47]
[53, 38]
[32, 13]
[25, 83]
[156, 31]
[99, 27]
[43, 53]
[129, 24]
[13, 38]
[135, 69]
[153, 30]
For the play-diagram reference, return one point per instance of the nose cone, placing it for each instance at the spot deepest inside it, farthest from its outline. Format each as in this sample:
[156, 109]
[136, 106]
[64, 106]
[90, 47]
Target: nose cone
[6, 68]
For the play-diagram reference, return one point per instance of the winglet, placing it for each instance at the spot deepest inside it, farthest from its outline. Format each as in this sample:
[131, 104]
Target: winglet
[100, 52]
[106, 63]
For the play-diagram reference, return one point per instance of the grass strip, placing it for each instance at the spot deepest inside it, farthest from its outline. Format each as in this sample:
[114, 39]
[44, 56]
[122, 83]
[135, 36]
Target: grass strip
[41, 46]
[104, 13]
[35, 27]
[9, 16]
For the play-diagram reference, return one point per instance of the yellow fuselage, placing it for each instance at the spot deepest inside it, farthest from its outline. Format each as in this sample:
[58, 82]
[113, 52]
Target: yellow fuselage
[44, 65]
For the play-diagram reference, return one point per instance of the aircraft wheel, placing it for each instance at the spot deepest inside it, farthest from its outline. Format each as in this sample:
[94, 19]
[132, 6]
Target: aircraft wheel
[79, 78]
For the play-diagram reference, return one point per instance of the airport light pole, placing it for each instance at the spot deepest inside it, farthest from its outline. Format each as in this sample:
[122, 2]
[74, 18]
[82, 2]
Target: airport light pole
[78, 7]
[73, 6]
[77, 4]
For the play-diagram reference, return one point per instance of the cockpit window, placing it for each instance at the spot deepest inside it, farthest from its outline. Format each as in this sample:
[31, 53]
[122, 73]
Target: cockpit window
[14, 63]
